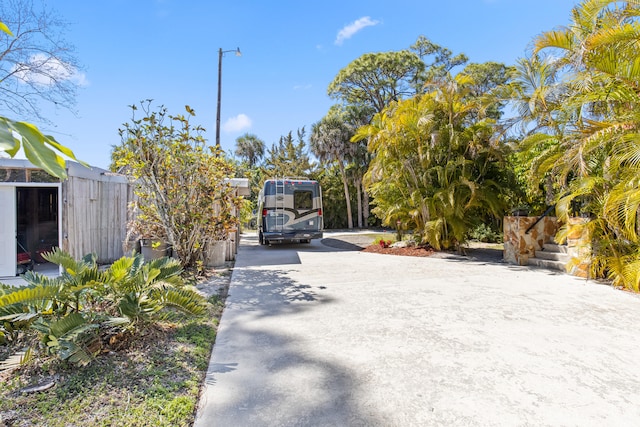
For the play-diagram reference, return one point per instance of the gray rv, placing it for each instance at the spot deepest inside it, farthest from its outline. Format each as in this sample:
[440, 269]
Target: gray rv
[289, 210]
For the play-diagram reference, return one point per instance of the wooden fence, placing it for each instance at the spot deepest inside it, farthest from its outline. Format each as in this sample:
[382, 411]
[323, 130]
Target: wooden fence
[94, 207]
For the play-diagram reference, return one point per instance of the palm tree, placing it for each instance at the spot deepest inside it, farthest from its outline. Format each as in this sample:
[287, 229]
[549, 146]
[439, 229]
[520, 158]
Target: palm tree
[599, 152]
[436, 162]
[250, 148]
[329, 142]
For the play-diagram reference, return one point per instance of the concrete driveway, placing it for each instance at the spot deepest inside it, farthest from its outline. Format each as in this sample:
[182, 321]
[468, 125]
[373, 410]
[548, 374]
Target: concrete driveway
[314, 335]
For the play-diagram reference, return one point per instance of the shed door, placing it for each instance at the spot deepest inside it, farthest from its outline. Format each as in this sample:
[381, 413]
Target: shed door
[8, 231]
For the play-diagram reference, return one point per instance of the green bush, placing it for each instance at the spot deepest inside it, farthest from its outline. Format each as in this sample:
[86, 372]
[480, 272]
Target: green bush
[71, 316]
[484, 233]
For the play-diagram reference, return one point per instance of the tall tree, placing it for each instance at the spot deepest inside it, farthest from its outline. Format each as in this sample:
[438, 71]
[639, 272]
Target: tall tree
[376, 79]
[36, 64]
[330, 143]
[539, 93]
[333, 202]
[288, 157]
[356, 117]
[438, 61]
[488, 78]
[371, 82]
[250, 148]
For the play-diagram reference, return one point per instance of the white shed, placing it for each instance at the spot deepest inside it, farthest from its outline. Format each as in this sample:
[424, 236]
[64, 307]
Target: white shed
[86, 213]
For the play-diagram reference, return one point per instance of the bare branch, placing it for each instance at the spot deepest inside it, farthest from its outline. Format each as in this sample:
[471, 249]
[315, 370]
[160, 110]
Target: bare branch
[37, 64]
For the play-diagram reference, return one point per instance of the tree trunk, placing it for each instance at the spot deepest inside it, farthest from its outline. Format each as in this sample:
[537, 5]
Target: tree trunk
[365, 205]
[346, 195]
[358, 186]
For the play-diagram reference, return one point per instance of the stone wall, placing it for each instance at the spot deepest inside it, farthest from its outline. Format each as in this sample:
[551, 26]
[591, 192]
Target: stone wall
[520, 246]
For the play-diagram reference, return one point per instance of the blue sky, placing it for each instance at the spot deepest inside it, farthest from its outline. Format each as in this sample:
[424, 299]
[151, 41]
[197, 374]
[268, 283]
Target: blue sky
[167, 50]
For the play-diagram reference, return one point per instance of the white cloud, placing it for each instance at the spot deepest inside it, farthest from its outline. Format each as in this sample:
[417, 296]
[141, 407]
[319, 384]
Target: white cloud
[348, 31]
[237, 123]
[44, 70]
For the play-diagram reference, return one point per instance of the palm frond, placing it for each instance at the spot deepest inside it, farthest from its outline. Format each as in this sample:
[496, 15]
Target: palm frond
[70, 327]
[17, 359]
[66, 261]
[622, 206]
[627, 150]
[27, 300]
[561, 39]
[185, 300]
[65, 337]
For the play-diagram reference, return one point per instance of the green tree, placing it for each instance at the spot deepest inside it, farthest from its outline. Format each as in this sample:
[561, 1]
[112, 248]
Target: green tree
[182, 188]
[250, 148]
[369, 83]
[376, 79]
[539, 95]
[288, 157]
[330, 143]
[334, 209]
[438, 61]
[594, 158]
[357, 116]
[489, 79]
[438, 165]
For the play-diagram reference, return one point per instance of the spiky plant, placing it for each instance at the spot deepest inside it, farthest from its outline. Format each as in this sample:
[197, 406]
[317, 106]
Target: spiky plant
[68, 313]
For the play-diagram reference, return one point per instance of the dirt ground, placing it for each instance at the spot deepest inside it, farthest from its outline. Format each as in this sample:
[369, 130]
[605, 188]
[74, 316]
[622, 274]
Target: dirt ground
[488, 252]
[415, 251]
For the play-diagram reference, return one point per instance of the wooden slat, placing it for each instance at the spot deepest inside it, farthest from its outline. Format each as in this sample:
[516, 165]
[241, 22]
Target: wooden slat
[94, 217]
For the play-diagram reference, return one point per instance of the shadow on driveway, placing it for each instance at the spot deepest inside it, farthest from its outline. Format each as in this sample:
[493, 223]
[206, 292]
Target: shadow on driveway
[259, 365]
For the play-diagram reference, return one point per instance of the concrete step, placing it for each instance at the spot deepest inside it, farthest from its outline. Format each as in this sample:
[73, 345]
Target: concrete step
[553, 256]
[553, 247]
[548, 264]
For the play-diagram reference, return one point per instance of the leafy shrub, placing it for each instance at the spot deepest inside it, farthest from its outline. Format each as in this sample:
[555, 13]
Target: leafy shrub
[71, 316]
[182, 188]
[484, 233]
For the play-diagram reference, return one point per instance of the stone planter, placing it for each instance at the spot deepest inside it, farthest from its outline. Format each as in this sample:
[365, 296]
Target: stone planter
[152, 249]
[216, 254]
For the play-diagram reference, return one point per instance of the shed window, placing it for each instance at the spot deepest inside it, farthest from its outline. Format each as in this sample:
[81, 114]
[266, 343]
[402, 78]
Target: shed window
[25, 175]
